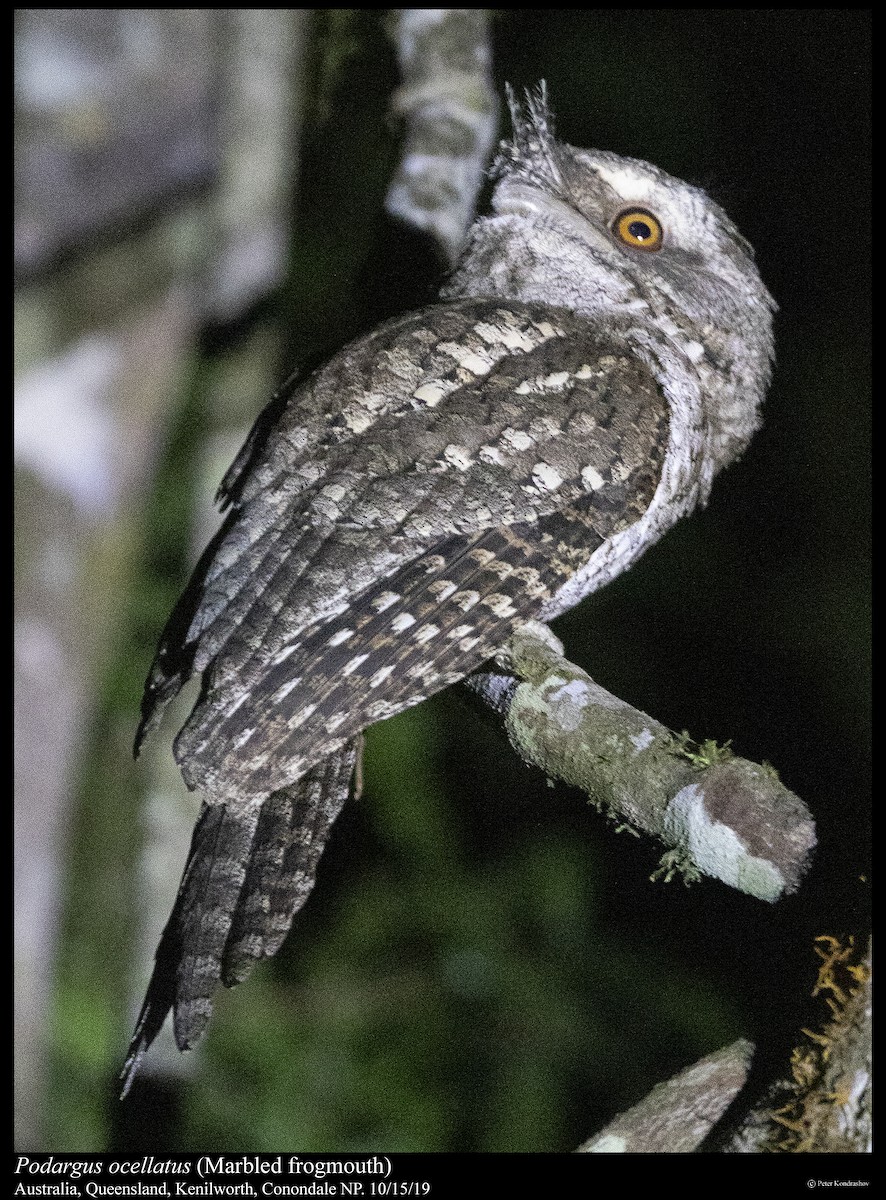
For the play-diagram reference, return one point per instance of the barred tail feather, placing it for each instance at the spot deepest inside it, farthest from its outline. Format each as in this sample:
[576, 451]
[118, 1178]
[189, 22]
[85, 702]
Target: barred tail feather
[293, 828]
[212, 887]
[248, 872]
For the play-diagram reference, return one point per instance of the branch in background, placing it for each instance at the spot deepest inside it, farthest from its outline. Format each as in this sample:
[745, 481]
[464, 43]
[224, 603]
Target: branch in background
[825, 1105]
[448, 102]
[721, 815]
[677, 1116]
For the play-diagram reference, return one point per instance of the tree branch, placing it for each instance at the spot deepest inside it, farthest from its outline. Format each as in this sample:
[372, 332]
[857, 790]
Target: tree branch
[677, 1116]
[449, 105]
[824, 1106]
[720, 815]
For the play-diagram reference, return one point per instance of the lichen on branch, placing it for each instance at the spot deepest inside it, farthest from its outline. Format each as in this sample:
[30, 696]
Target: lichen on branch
[718, 814]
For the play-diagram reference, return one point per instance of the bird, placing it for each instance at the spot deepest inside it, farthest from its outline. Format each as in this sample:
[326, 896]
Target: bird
[601, 350]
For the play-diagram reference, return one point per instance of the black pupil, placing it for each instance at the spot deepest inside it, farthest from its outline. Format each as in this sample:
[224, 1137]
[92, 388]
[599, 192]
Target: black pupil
[640, 230]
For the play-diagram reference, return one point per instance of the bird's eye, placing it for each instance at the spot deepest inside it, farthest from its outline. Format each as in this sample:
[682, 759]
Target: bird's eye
[637, 227]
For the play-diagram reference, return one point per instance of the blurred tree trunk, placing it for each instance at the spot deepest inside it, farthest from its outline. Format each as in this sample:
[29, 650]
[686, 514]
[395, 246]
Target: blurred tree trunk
[154, 170]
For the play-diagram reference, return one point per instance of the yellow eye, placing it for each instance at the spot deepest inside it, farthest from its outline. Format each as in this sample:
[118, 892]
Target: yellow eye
[637, 227]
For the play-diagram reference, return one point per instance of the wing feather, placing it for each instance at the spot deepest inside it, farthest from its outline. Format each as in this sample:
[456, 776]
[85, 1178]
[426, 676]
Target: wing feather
[523, 413]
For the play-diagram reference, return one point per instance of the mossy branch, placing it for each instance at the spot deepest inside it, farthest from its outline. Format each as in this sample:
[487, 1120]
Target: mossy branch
[823, 1103]
[720, 815]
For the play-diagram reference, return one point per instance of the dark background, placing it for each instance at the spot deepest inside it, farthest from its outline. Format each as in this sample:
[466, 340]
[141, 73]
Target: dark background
[484, 964]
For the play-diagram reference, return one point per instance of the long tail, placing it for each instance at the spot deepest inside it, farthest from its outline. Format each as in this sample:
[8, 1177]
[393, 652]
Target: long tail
[248, 873]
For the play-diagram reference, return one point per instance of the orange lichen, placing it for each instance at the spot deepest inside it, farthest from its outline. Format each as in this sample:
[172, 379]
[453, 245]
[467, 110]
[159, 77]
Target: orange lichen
[840, 975]
[837, 961]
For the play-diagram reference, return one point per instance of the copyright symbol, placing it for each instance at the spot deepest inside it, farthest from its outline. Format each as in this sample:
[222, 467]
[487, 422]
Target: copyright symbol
[810, 1183]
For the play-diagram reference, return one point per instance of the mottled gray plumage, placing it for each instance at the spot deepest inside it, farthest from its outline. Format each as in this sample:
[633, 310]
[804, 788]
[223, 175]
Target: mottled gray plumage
[601, 351]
